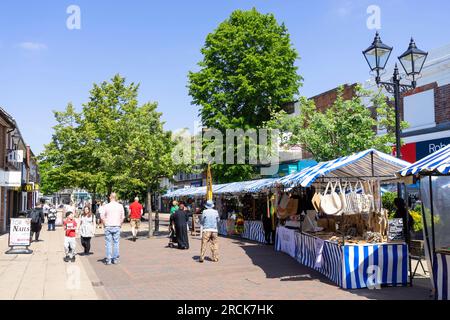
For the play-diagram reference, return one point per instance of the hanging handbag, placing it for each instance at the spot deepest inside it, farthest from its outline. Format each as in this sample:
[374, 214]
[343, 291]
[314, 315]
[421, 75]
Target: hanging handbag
[292, 207]
[364, 201]
[316, 201]
[342, 198]
[330, 203]
[350, 199]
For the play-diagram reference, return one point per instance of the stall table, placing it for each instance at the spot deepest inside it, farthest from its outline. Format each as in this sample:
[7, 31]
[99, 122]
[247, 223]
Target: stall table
[349, 266]
[441, 271]
[253, 230]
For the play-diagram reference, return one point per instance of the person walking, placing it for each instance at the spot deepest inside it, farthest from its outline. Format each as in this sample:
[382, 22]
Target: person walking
[37, 219]
[402, 212]
[136, 211]
[51, 219]
[112, 218]
[87, 229]
[210, 231]
[100, 210]
[70, 244]
[180, 220]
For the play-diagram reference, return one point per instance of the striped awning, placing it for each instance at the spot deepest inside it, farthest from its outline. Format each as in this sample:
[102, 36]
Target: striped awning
[436, 163]
[363, 165]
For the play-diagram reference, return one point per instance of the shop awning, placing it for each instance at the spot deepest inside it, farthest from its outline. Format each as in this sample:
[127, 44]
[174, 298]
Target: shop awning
[436, 163]
[367, 164]
[252, 186]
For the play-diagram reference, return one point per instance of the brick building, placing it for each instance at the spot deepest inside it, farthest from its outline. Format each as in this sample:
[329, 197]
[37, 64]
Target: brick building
[19, 175]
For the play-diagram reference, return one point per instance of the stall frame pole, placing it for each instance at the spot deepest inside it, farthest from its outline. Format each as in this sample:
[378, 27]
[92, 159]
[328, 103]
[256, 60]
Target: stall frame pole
[433, 262]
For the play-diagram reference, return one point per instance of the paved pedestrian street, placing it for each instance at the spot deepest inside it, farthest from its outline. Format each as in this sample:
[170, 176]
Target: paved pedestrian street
[149, 269]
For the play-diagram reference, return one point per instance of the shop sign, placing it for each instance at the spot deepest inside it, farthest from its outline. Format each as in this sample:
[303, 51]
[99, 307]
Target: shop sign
[15, 156]
[10, 178]
[28, 188]
[416, 151]
[36, 187]
[395, 230]
[19, 233]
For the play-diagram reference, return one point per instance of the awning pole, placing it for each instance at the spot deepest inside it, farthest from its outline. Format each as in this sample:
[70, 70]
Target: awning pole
[433, 236]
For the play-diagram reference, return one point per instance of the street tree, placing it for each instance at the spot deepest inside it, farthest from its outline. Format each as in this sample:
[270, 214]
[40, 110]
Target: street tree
[113, 144]
[248, 72]
[346, 127]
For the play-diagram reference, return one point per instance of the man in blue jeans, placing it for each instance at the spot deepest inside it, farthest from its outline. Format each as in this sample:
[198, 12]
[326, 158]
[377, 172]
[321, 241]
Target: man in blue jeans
[112, 217]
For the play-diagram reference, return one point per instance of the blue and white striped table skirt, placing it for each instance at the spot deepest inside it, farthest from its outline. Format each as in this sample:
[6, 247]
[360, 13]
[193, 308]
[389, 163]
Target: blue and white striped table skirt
[440, 274]
[223, 227]
[374, 265]
[349, 266]
[253, 230]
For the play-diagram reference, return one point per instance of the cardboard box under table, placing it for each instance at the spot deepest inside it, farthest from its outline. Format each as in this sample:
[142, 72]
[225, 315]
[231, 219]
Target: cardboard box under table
[351, 266]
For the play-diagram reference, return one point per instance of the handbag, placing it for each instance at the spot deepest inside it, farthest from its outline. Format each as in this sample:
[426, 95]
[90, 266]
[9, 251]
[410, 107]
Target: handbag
[330, 203]
[342, 197]
[316, 201]
[351, 200]
[365, 200]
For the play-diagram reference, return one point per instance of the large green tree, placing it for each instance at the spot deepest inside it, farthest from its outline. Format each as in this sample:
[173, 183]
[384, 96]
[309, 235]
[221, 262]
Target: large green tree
[113, 144]
[346, 127]
[248, 72]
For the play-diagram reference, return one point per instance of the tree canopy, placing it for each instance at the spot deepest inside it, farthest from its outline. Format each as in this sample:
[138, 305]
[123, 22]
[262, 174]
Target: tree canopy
[112, 144]
[346, 127]
[248, 72]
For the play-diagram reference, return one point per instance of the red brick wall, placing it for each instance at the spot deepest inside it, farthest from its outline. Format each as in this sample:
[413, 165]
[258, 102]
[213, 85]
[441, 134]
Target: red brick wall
[442, 104]
[441, 101]
[2, 146]
[324, 100]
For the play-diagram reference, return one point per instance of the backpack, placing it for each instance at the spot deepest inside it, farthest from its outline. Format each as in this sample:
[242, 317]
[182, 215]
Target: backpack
[52, 214]
[35, 215]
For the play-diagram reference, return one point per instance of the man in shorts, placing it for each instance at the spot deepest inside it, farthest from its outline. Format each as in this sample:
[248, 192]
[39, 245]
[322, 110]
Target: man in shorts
[136, 211]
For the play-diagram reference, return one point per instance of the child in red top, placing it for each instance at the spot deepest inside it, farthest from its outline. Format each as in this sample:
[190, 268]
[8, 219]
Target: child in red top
[70, 227]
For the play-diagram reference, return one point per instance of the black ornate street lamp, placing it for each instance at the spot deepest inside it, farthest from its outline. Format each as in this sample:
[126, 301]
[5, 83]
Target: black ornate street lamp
[412, 61]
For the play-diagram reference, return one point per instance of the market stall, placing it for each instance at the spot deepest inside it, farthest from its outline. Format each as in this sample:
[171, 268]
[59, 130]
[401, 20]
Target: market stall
[434, 174]
[241, 205]
[345, 235]
[244, 216]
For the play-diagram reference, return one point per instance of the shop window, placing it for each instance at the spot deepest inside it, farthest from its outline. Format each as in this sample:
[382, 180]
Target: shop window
[419, 110]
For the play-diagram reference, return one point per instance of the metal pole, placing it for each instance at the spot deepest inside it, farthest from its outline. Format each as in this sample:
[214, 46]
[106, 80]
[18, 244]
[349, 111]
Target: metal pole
[433, 237]
[149, 204]
[396, 80]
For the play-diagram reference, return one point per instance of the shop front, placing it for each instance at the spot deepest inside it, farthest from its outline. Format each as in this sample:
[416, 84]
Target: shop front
[434, 174]
[345, 235]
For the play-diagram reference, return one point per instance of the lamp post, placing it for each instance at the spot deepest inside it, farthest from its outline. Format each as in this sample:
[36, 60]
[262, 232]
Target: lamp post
[412, 61]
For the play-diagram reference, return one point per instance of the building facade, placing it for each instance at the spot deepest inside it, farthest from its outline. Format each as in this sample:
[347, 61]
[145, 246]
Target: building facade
[427, 108]
[19, 172]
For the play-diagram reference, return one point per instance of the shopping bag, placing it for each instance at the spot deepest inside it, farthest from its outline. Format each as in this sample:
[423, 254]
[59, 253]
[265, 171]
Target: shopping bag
[330, 203]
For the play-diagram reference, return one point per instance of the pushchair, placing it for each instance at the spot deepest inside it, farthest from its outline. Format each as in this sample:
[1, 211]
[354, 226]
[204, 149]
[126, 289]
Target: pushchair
[172, 236]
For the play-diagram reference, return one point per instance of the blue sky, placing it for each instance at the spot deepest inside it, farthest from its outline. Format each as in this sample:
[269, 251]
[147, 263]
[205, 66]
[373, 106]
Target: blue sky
[44, 65]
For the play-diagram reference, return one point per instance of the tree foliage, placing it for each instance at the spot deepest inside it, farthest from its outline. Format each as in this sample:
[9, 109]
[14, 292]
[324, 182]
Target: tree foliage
[346, 127]
[248, 72]
[112, 144]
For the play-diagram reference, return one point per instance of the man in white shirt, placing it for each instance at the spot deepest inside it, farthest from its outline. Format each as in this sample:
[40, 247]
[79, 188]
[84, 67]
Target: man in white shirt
[112, 218]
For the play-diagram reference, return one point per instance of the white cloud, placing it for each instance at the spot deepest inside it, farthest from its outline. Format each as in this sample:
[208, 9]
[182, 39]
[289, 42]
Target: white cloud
[33, 46]
[345, 9]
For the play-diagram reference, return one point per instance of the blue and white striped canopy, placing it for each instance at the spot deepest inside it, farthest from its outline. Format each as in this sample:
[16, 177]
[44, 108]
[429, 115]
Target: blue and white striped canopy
[437, 163]
[365, 164]
[253, 186]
